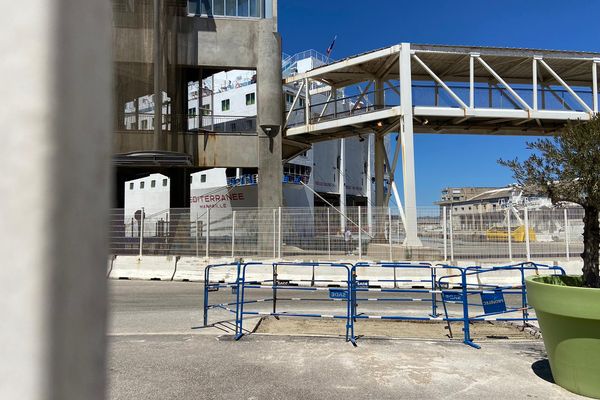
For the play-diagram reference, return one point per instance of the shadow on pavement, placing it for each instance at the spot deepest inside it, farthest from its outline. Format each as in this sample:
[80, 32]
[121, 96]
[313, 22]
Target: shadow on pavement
[542, 369]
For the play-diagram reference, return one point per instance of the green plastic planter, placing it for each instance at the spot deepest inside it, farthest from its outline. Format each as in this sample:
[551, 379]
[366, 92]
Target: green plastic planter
[569, 318]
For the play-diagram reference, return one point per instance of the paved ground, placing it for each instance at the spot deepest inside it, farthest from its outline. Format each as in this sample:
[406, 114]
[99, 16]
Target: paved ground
[154, 354]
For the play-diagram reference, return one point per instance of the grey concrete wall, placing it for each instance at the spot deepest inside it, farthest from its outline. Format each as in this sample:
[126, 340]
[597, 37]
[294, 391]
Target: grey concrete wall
[56, 73]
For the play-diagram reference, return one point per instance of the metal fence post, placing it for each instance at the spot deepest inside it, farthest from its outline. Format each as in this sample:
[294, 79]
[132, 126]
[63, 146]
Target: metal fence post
[142, 222]
[207, 232]
[567, 236]
[445, 231]
[359, 232]
[451, 237]
[197, 234]
[233, 234]
[274, 233]
[509, 232]
[279, 241]
[527, 248]
[390, 233]
[328, 236]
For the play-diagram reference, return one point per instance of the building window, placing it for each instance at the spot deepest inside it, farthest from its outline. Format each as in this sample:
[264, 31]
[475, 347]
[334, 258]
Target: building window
[153, 183]
[203, 178]
[250, 99]
[131, 186]
[301, 101]
[225, 105]
[289, 98]
[142, 185]
[205, 109]
[144, 124]
[192, 112]
[165, 182]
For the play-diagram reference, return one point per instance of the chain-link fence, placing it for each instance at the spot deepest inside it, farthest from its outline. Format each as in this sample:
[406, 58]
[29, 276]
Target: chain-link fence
[325, 233]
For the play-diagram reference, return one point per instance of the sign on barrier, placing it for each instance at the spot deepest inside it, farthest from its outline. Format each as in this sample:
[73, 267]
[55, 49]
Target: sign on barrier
[493, 302]
[338, 294]
[362, 283]
[282, 282]
[452, 296]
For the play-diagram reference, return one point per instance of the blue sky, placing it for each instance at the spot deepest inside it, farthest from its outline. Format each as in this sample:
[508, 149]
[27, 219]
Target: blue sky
[444, 160]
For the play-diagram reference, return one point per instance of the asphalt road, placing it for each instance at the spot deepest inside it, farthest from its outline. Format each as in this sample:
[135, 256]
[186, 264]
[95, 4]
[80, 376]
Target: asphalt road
[155, 354]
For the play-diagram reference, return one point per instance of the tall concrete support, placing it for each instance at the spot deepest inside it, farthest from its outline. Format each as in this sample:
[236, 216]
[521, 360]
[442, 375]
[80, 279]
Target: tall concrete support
[160, 140]
[342, 182]
[369, 184]
[379, 166]
[408, 154]
[379, 149]
[269, 115]
[56, 71]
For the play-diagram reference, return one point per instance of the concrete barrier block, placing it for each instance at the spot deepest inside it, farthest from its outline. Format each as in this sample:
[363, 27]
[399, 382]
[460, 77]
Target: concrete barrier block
[190, 269]
[145, 267]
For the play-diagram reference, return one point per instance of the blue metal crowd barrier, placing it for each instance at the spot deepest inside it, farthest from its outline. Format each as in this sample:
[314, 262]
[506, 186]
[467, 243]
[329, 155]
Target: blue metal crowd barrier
[492, 304]
[398, 286]
[335, 294]
[454, 288]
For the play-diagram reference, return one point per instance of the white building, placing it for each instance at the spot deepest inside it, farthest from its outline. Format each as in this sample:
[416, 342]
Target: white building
[152, 195]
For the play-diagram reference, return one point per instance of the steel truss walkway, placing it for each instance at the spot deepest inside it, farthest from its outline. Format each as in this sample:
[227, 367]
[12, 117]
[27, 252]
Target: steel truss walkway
[411, 88]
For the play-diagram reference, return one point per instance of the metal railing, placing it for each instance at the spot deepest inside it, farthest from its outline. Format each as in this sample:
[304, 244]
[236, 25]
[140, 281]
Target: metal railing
[192, 123]
[324, 233]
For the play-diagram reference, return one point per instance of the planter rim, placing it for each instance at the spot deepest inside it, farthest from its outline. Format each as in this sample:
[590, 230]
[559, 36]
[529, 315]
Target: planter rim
[568, 301]
[537, 279]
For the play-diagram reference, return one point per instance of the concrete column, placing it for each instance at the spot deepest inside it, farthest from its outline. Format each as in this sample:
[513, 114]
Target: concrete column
[55, 155]
[379, 167]
[160, 138]
[369, 185]
[379, 148]
[270, 113]
[342, 183]
[408, 156]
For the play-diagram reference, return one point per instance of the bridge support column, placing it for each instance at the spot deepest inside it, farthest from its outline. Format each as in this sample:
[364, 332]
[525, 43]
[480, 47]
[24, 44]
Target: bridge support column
[269, 95]
[379, 168]
[269, 116]
[342, 183]
[408, 155]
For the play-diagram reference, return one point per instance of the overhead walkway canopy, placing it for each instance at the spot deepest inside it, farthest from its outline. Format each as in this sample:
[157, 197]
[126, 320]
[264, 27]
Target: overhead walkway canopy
[413, 88]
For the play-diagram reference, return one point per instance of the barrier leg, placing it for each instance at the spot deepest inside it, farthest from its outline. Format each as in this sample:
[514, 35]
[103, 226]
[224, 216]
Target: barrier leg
[466, 328]
[524, 296]
[275, 290]
[434, 313]
[205, 305]
[239, 306]
[350, 307]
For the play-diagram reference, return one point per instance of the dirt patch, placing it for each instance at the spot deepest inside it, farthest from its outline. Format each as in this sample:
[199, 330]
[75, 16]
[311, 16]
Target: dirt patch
[480, 331]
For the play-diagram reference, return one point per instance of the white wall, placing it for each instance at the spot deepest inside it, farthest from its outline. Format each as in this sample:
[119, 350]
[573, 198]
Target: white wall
[155, 201]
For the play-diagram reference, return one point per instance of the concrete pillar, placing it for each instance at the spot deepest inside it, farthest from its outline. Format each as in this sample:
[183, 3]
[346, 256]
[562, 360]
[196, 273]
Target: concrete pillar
[368, 184]
[408, 155]
[270, 116]
[342, 183]
[55, 155]
[379, 148]
[379, 167]
[160, 138]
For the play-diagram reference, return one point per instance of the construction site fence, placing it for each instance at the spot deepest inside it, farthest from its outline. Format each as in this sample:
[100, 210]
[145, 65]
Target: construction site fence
[451, 294]
[327, 233]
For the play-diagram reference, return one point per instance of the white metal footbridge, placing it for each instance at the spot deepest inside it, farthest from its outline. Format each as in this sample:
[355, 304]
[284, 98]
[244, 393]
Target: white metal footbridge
[413, 88]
